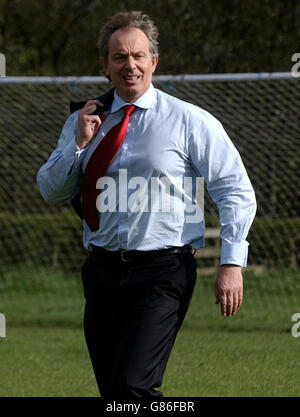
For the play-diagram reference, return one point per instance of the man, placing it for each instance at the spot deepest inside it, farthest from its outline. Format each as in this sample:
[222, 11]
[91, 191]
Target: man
[139, 277]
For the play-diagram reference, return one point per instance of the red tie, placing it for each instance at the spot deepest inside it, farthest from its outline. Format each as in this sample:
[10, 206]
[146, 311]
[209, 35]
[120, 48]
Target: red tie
[97, 165]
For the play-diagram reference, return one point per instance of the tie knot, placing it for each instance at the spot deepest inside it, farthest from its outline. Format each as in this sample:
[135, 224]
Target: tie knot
[128, 110]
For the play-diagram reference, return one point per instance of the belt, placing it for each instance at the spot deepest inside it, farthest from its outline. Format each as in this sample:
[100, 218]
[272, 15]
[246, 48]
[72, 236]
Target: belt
[138, 255]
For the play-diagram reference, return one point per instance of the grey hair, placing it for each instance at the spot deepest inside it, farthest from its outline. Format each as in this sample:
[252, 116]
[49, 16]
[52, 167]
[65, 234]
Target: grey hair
[136, 19]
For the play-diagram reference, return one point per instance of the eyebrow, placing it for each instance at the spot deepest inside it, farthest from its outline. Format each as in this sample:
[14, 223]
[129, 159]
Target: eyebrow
[124, 53]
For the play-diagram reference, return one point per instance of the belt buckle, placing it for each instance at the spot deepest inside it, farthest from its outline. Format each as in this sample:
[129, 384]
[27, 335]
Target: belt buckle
[122, 255]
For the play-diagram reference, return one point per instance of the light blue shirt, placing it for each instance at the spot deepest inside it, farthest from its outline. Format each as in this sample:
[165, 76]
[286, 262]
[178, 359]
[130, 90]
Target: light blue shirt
[169, 146]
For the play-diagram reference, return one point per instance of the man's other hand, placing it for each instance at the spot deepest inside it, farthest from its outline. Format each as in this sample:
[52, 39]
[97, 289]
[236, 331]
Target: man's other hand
[88, 123]
[229, 289]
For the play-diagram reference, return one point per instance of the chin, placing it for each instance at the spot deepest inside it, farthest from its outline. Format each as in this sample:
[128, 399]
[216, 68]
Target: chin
[132, 92]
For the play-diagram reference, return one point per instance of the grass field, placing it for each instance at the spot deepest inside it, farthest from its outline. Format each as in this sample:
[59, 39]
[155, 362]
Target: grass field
[250, 354]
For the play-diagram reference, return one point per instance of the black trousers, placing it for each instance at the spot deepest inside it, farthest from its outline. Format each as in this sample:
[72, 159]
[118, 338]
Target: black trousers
[133, 312]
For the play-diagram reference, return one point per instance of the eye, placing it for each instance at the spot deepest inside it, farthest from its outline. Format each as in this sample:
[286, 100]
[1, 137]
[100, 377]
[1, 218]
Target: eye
[119, 57]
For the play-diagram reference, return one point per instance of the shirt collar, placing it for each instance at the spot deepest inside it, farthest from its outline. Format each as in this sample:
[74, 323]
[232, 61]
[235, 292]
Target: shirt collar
[146, 101]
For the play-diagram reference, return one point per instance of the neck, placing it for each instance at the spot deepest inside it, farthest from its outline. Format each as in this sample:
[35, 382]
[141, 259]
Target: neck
[131, 98]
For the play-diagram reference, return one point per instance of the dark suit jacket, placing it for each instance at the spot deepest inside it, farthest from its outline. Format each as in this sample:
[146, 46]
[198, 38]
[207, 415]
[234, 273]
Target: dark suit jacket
[107, 100]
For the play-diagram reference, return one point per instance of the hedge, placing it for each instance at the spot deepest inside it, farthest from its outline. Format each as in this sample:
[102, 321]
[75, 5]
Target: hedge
[56, 239]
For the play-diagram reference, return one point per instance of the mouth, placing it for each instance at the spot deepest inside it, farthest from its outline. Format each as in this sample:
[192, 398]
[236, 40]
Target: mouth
[131, 78]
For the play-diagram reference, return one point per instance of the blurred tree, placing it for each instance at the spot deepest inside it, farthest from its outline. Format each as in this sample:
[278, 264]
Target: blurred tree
[59, 37]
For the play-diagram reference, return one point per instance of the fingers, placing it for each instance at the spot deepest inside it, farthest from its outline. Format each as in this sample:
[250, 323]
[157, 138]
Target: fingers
[91, 106]
[229, 303]
[229, 292]
[235, 303]
[93, 123]
[93, 103]
[88, 123]
[240, 297]
[221, 299]
[86, 116]
[223, 302]
[92, 119]
[237, 300]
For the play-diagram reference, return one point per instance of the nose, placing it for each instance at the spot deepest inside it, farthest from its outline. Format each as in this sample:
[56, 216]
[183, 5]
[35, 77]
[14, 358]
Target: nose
[130, 63]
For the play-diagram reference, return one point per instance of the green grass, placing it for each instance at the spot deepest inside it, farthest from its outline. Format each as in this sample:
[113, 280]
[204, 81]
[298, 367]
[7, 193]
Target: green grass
[244, 355]
[250, 354]
[45, 362]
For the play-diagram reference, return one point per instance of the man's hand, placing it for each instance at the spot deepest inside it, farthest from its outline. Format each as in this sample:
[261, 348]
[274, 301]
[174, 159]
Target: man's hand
[229, 289]
[88, 123]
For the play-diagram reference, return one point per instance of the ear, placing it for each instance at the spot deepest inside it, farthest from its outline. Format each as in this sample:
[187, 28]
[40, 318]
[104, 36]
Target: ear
[103, 63]
[154, 63]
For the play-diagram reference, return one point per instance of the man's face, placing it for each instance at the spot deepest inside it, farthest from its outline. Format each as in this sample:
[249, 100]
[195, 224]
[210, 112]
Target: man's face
[129, 63]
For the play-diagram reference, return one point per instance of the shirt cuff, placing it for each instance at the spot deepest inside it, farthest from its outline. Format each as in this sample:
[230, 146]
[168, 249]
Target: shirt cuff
[72, 152]
[235, 253]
